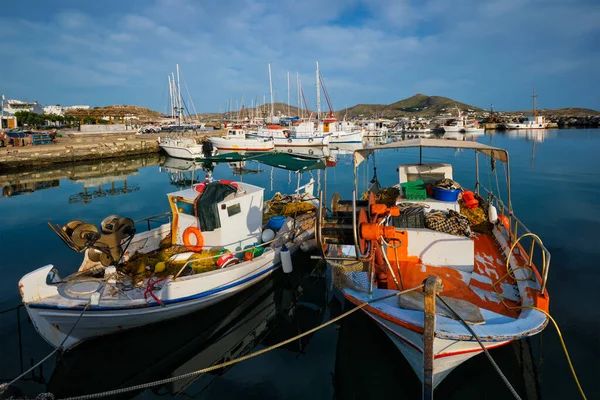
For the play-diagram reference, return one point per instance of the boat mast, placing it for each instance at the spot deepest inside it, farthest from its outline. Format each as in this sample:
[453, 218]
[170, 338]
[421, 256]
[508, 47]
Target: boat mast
[298, 95]
[288, 74]
[271, 92]
[170, 96]
[534, 98]
[318, 93]
[179, 102]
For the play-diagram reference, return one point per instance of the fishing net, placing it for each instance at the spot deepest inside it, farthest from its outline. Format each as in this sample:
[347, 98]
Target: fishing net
[388, 196]
[350, 274]
[451, 222]
[478, 216]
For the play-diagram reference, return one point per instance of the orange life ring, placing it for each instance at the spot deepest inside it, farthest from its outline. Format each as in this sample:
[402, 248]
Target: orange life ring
[189, 231]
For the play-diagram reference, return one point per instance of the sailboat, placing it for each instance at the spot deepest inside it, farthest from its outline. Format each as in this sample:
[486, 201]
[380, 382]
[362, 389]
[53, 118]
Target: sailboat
[340, 131]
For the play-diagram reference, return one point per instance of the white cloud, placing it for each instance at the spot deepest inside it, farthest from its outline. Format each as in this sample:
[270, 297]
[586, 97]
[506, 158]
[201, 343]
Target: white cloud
[369, 51]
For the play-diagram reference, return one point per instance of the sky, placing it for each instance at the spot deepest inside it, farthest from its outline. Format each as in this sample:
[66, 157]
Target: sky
[375, 51]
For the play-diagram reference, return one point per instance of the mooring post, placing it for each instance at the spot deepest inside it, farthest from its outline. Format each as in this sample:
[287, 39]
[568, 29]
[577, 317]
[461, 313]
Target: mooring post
[433, 284]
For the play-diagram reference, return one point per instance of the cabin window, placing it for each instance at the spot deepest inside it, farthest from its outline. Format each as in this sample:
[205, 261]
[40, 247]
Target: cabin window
[185, 207]
[234, 209]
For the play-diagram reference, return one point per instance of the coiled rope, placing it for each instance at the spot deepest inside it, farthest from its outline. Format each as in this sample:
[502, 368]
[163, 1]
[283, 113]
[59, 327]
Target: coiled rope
[235, 360]
[511, 273]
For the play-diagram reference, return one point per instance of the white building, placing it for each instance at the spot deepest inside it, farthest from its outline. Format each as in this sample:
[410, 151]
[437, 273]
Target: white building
[12, 106]
[66, 108]
[56, 110]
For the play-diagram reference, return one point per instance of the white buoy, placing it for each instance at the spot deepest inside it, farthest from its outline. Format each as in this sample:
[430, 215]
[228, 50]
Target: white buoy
[492, 214]
[110, 274]
[268, 235]
[286, 260]
[308, 245]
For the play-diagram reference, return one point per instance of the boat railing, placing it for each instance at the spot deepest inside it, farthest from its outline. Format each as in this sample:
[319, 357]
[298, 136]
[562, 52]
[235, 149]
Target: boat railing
[515, 228]
[159, 219]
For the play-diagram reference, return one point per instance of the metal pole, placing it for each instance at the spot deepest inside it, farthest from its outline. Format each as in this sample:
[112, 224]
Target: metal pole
[510, 211]
[476, 172]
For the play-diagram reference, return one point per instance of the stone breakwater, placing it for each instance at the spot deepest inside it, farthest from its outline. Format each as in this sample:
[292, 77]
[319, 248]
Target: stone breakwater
[83, 148]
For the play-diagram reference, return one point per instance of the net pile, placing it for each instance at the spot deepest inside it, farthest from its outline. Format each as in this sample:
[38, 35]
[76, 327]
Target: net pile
[452, 223]
[478, 216]
[350, 274]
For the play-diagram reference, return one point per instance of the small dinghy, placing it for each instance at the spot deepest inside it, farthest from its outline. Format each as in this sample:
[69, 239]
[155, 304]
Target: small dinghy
[221, 238]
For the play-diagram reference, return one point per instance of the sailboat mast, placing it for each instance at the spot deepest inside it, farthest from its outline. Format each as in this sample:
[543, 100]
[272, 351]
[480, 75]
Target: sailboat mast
[298, 94]
[534, 105]
[170, 96]
[271, 92]
[288, 74]
[318, 93]
[180, 108]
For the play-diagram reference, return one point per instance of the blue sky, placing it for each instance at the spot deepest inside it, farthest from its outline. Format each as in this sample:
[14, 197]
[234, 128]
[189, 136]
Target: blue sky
[375, 51]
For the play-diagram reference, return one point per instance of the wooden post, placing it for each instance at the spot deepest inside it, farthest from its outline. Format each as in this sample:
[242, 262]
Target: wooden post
[433, 284]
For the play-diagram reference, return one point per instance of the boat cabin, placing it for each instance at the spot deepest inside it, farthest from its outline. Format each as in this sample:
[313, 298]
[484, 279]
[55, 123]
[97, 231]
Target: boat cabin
[220, 214]
[432, 247]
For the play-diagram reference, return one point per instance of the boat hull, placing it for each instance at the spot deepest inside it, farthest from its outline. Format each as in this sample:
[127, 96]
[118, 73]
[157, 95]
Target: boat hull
[254, 144]
[347, 137]
[186, 153]
[448, 354]
[526, 126]
[68, 326]
[303, 141]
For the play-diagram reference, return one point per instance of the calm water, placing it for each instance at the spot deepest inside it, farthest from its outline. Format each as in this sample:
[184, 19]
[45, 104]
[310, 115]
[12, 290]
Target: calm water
[556, 192]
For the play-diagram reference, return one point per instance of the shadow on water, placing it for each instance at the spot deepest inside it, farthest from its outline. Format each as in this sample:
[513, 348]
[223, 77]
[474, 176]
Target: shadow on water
[369, 366]
[277, 308]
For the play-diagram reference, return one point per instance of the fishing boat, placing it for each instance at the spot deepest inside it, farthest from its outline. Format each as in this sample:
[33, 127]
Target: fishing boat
[375, 129]
[531, 122]
[186, 148]
[302, 134]
[475, 257]
[236, 139]
[215, 244]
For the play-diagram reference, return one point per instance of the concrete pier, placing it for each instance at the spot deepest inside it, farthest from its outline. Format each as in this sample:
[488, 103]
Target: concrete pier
[84, 148]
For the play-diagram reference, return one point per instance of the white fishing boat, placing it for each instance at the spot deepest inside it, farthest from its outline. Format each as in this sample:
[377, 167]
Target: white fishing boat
[531, 122]
[341, 131]
[236, 139]
[481, 284]
[214, 245]
[185, 147]
[375, 129]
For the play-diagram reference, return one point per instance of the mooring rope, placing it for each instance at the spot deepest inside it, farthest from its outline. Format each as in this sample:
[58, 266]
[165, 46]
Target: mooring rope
[5, 386]
[233, 361]
[489, 356]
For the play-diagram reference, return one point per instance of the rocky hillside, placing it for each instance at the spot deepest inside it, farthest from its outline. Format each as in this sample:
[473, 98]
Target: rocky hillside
[419, 105]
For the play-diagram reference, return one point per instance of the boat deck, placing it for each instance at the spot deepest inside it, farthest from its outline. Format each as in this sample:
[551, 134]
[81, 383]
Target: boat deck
[475, 287]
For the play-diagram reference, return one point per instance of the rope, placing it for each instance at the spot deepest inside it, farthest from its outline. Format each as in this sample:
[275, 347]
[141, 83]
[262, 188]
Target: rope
[489, 356]
[11, 309]
[510, 272]
[236, 360]
[5, 386]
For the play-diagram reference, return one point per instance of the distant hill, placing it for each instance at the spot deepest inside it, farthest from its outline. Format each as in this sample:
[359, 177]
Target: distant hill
[570, 112]
[418, 105]
[116, 111]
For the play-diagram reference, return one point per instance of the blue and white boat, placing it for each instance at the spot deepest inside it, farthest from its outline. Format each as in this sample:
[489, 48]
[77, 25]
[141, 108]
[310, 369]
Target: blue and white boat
[214, 245]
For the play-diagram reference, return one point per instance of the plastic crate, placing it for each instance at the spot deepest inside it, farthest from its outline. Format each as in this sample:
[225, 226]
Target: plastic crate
[413, 220]
[414, 190]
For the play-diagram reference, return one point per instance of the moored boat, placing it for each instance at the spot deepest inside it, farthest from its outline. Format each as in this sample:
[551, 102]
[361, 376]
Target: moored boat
[481, 283]
[236, 139]
[186, 148]
[215, 244]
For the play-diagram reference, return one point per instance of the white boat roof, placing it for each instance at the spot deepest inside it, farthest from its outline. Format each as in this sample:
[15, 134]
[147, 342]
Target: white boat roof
[494, 152]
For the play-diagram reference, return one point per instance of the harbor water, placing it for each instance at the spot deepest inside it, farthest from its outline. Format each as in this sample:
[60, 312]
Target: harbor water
[555, 192]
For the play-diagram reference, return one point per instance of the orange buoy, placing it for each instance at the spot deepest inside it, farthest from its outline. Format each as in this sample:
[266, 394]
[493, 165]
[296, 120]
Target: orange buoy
[505, 221]
[190, 232]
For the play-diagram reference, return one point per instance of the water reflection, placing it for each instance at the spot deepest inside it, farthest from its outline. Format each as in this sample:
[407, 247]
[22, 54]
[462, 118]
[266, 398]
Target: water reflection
[99, 179]
[275, 309]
